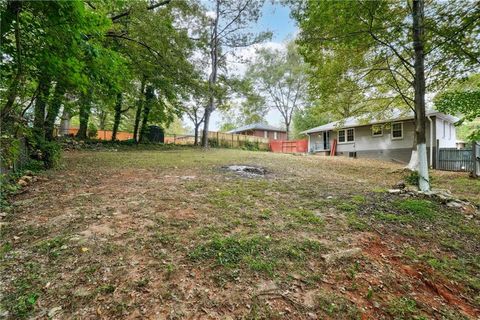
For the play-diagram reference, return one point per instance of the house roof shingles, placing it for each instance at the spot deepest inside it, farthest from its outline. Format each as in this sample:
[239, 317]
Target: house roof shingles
[396, 115]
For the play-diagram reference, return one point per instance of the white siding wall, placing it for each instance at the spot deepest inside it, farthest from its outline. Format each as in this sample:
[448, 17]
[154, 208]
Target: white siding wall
[365, 141]
[447, 141]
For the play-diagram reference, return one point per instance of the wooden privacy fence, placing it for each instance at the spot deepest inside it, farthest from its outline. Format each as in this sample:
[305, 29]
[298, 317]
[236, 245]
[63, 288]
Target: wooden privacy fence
[289, 146]
[452, 159]
[229, 140]
[101, 134]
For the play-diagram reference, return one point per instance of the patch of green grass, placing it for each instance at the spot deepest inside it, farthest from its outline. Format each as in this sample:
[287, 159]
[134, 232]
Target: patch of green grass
[304, 216]
[419, 208]
[165, 238]
[347, 207]
[21, 299]
[359, 199]
[403, 308]
[5, 249]
[52, 247]
[258, 253]
[334, 305]
[356, 223]
[106, 289]
[230, 251]
[391, 217]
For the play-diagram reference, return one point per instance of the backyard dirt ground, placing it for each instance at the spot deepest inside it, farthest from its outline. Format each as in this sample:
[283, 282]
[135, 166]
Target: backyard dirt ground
[174, 235]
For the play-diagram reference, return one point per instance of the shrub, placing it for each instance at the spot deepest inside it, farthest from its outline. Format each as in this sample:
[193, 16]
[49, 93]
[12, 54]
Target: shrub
[252, 146]
[412, 178]
[48, 152]
[92, 131]
[212, 142]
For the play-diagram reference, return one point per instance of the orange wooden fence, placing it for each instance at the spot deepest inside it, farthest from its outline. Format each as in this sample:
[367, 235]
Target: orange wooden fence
[101, 134]
[289, 146]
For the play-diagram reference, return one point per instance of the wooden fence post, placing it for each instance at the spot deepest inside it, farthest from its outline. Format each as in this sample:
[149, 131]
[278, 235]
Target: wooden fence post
[437, 153]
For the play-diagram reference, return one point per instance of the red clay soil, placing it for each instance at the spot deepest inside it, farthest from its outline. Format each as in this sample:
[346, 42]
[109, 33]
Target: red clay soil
[419, 276]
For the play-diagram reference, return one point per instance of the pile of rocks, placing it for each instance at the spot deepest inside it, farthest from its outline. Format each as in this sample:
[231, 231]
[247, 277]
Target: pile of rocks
[72, 144]
[443, 196]
[27, 179]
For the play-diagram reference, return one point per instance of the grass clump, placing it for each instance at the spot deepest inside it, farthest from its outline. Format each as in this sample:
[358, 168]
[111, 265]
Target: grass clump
[409, 210]
[304, 216]
[230, 251]
[347, 207]
[52, 247]
[404, 308]
[258, 253]
[334, 305]
[21, 299]
[356, 223]
[420, 209]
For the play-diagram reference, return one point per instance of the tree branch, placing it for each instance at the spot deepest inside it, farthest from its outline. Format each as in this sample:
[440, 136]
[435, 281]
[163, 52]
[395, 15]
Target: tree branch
[151, 7]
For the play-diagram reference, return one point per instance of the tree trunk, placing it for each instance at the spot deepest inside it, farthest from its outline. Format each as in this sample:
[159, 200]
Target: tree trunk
[197, 126]
[206, 122]
[419, 83]
[213, 76]
[53, 110]
[138, 113]
[13, 10]
[118, 116]
[149, 94]
[413, 163]
[65, 122]
[84, 116]
[287, 126]
[102, 121]
[40, 105]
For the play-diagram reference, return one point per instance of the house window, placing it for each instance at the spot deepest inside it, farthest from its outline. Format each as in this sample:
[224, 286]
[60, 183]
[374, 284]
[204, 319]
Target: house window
[350, 135]
[347, 135]
[397, 130]
[377, 130]
[265, 134]
[275, 137]
[449, 131]
[444, 129]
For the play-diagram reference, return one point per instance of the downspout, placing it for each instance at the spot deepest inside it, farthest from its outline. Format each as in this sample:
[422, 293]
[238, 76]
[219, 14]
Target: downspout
[431, 141]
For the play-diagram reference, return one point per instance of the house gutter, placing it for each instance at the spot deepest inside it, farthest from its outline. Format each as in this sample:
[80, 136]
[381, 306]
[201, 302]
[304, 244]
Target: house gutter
[431, 141]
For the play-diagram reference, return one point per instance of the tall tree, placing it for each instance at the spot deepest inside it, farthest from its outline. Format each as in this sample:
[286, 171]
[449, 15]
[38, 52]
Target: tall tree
[463, 99]
[229, 29]
[396, 67]
[279, 76]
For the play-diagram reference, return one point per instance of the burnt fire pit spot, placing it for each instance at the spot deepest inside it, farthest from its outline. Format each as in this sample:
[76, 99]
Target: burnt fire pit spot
[247, 171]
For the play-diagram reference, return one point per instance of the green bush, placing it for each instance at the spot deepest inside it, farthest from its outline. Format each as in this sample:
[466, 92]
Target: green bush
[9, 151]
[249, 145]
[48, 152]
[412, 178]
[92, 131]
[213, 142]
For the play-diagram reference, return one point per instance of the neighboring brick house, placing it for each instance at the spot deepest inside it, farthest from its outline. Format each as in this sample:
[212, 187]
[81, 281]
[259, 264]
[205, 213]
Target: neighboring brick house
[261, 130]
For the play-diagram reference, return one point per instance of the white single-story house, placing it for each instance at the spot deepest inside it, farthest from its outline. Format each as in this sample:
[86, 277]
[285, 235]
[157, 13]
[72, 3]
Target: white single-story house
[390, 138]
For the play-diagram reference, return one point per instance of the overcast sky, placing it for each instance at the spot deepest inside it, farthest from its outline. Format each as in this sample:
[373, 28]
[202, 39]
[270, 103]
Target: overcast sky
[275, 18]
